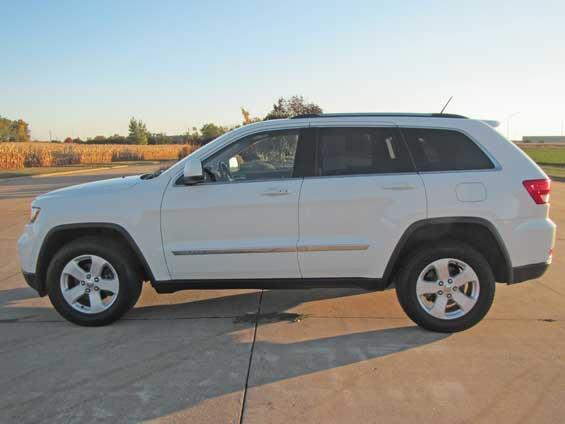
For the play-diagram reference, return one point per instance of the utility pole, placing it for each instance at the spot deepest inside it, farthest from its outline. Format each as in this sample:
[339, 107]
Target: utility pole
[507, 119]
[50, 137]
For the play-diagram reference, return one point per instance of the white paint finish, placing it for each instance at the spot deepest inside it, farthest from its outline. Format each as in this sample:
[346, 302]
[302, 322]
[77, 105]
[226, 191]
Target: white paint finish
[528, 240]
[225, 216]
[506, 199]
[471, 192]
[130, 202]
[356, 209]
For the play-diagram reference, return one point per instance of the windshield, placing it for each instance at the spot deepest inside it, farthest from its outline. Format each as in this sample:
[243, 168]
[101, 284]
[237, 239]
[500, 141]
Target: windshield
[186, 152]
[165, 166]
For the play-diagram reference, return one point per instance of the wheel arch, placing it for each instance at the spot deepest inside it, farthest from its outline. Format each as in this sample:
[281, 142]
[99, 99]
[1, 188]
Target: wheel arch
[479, 233]
[63, 234]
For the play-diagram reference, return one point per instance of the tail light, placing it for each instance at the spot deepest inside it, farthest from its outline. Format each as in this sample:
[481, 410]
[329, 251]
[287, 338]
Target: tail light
[539, 190]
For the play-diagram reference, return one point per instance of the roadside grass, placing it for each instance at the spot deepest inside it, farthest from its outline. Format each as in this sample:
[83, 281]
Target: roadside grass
[555, 172]
[547, 155]
[550, 157]
[26, 172]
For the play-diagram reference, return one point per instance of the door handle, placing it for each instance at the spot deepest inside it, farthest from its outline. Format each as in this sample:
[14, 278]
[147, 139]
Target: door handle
[399, 187]
[276, 192]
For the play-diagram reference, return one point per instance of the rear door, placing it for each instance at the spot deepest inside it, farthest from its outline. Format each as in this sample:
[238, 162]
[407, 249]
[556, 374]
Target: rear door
[363, 195]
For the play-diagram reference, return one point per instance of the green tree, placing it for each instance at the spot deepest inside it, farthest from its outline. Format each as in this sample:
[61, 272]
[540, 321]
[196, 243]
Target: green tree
[14, 130]
[293, 106]
[192, 136]
[210, 131]
[138, 133]
[160, 138]
[21, 131]
[5, 129]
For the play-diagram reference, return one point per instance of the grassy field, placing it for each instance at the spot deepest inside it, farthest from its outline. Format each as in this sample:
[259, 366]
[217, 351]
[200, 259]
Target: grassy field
[26, 172]
[550, 157]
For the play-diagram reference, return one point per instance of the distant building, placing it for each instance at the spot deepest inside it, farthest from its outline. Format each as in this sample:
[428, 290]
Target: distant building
[543, 139]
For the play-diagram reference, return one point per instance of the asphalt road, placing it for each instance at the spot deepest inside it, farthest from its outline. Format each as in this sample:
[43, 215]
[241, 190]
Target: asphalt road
[313, 356]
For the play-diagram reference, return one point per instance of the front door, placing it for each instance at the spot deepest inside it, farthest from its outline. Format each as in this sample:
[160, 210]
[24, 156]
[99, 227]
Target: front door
[242, 222]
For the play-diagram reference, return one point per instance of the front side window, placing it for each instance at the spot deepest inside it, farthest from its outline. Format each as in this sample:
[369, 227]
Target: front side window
[256, 157]
[445, 150]
[350, 151]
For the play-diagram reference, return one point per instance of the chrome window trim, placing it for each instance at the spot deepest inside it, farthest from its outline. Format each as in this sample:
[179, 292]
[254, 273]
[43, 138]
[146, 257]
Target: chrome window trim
[380, 174]
[340, 124]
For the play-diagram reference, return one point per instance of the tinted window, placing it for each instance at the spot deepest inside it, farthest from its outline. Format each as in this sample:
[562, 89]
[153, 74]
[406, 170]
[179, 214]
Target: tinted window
[346, 151]
[445, 150]
[256, 157]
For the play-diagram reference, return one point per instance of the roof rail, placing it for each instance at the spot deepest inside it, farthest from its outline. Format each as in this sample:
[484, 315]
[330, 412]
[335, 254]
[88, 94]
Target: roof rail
[379, 114]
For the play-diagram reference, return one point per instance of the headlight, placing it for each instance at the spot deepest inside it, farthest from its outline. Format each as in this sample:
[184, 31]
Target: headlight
[34, 214]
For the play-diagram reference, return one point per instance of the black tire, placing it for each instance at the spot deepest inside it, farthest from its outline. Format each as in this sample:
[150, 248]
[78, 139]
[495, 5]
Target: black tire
[420, 258]
[121, 260]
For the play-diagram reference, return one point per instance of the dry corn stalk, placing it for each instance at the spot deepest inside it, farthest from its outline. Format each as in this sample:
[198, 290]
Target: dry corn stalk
[21, 155]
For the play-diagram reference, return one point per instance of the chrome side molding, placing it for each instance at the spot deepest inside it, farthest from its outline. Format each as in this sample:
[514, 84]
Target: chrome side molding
[289, 249]
[279, 249]
[331, 247]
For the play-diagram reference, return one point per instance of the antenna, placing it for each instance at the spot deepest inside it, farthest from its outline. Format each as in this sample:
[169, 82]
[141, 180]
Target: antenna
[446, 105]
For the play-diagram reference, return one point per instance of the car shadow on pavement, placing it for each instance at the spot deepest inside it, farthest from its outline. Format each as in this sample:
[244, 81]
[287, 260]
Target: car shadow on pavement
[160, 367]
[16, 294]
[237, 306]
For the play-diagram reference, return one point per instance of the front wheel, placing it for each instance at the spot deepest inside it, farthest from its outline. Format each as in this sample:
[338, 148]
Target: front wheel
[93, 281]
[447, 287]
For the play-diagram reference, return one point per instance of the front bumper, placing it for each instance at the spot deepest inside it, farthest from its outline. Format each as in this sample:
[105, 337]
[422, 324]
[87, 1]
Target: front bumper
[528, 272]
[27, 249]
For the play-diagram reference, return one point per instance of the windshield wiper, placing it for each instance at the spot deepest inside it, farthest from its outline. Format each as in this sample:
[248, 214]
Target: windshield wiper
[153, 174]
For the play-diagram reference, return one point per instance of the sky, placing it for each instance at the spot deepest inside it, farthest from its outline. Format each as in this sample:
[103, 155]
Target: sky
[84, 68]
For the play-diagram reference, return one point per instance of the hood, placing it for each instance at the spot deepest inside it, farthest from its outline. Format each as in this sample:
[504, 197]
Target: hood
[95, 187]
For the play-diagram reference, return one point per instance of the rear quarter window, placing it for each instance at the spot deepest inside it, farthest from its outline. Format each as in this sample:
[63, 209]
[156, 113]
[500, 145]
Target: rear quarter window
[445, 150]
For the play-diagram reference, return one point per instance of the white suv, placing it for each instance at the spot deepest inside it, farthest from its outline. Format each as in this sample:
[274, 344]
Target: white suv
[438, 206]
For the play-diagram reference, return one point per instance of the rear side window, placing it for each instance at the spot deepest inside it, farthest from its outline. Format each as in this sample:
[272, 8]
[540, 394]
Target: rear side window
[445, 150]
[351, 151]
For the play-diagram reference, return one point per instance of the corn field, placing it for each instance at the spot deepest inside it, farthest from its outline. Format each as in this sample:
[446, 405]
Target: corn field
[24, 155]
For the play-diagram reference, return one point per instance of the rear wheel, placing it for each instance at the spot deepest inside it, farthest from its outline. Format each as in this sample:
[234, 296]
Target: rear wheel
[448, 287]
[93, 281]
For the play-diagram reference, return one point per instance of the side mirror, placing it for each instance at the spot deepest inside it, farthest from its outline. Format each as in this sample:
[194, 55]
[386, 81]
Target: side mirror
[192, 173]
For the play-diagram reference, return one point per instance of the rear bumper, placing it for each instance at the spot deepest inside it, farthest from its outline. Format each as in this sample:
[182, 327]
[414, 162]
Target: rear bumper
[528, 272]
[31, 281]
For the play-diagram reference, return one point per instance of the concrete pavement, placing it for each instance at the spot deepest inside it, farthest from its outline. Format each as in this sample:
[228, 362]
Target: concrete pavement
[313, 355]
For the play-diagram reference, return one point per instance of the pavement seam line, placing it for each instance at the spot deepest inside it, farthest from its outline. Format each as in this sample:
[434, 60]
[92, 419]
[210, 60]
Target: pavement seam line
[242, 411]
[50, 321]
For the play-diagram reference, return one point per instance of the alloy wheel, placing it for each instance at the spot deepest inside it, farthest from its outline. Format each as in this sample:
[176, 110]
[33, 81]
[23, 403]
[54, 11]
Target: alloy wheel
[447, 288]
[89, 284]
